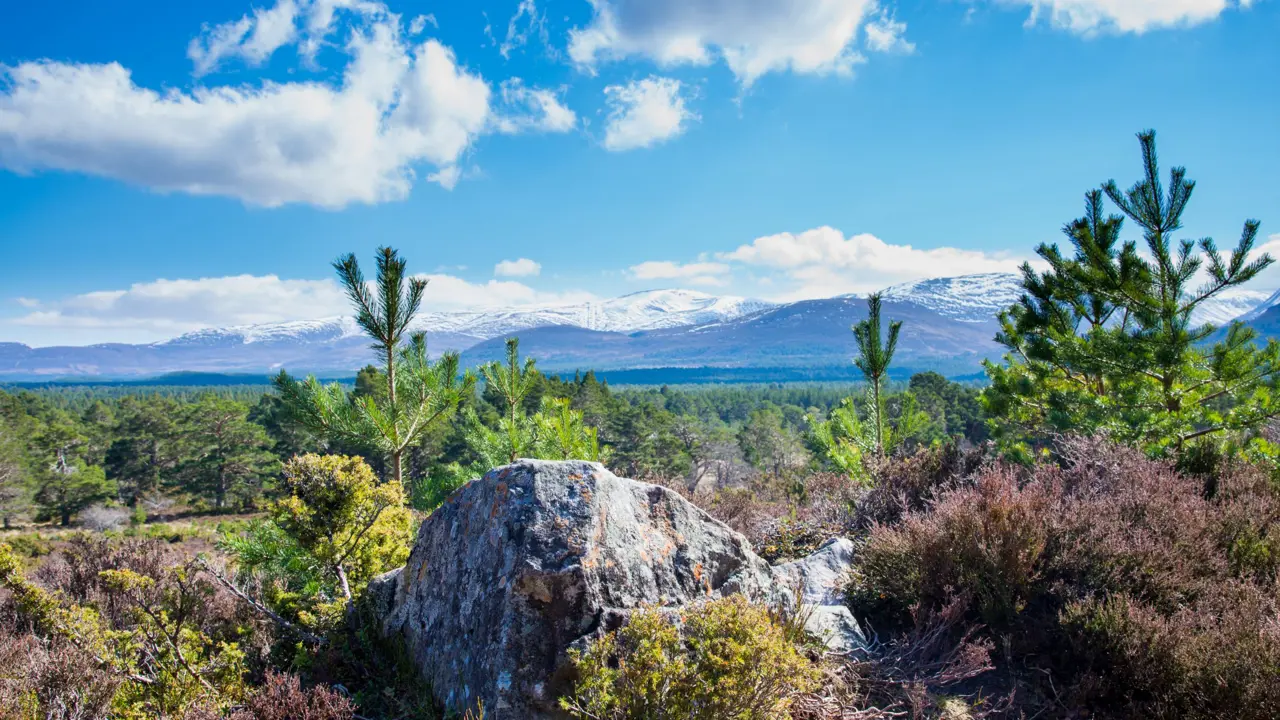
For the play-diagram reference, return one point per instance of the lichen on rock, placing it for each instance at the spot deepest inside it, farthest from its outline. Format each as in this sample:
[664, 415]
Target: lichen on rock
[537, 557]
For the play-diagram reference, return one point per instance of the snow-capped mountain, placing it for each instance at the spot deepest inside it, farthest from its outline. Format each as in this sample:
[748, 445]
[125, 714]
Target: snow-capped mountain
[297, 331]
[949, 322]
[969, 298]
[650, 310]
[1261, 307]
[979, 298]
[1240, 304]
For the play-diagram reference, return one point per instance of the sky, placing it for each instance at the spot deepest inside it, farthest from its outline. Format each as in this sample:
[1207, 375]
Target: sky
[170, 166]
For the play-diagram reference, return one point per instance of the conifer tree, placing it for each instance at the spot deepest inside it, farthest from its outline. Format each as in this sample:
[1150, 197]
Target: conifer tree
[67, 483]
[419, 393]
[15, 489]
[874, 356]
[1104, 339]
[513, 382]
[229, 454]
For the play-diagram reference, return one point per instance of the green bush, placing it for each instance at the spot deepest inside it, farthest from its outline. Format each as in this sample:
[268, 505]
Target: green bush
[723, 660]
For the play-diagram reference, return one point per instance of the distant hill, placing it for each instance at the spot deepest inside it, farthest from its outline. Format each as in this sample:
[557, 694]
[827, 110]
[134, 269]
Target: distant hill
[949, 327]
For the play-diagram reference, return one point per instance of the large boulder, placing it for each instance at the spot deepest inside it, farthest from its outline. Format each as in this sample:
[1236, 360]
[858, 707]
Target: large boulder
[535, 557]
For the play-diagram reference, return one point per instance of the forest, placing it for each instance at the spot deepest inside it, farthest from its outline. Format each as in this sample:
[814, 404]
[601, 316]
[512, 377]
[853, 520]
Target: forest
[1093, 532]
[201, 450]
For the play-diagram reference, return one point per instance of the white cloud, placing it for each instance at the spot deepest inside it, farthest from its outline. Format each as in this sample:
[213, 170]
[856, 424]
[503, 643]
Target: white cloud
[694, 273]
[397, 109]
[449, 293]
[644, 113]
[420, 23]
[161, 309]
[1269, 278]
[822, 262]
[527, 109]
[524, 23]
[886, 35]
[253, 38]
[27, 302]
[753, 37]
[524, 267]
[1137, 16]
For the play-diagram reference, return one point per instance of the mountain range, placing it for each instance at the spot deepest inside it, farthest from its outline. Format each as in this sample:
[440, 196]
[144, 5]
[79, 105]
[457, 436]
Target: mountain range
[948, 325]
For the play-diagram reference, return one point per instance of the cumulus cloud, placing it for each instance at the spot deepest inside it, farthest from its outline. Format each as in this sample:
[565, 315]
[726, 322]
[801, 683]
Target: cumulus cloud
[644, 113]
[452, 293]
[753, 37]
[694, 273]
[524, 267]
[398, 107]
[823, 262]
[1135, 16]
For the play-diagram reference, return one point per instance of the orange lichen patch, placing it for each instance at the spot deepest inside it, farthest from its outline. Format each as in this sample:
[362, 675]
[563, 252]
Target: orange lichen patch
[499, 499]
[667, 549]
[697, 572]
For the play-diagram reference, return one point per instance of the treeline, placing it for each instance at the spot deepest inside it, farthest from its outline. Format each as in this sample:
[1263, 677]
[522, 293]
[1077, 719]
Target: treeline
[220, 449]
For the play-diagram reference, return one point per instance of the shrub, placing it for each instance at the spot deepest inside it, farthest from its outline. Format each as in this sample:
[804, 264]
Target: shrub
[281, 697]
[1140, 594]
[723, 659]
[786, 520]
[166, 637]
[909, 483]
[101, 518]
[337, 511]
[53, 680]
[986, 542]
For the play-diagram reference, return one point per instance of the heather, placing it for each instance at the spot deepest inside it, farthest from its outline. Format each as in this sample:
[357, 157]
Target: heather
[1093, 533]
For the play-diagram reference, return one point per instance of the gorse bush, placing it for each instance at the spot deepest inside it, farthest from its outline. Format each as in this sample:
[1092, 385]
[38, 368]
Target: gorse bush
[335, 529]
[724, 659]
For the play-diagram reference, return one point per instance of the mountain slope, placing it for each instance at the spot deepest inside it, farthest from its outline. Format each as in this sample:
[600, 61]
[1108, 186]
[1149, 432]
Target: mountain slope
[802, 334]
[969, 298]
[949, 326]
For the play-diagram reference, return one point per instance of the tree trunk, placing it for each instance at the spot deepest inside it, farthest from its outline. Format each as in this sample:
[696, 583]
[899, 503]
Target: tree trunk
[395, 415]
[875, 389]
[342, 578]
[66, 517]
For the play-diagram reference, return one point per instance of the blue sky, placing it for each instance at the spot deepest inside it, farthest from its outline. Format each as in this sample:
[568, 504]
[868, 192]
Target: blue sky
[169, 166]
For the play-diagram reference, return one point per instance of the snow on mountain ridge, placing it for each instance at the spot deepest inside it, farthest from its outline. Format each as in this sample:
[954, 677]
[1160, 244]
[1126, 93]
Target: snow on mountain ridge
[648, 310]
[968, 298]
